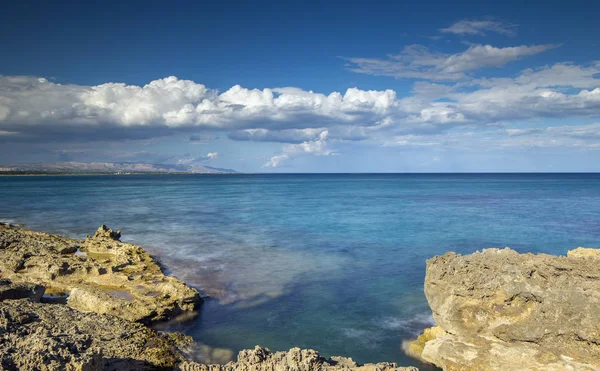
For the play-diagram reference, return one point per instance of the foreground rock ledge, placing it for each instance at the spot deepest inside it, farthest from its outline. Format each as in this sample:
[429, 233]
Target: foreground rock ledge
[501, 310]
[99, 328]
[100, 274]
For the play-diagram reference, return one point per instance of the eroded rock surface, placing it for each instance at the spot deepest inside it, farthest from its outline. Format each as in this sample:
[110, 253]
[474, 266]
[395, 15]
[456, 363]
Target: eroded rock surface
[501, 310]
[36, 336]
[100, 274]
[296, 359]
[114, 290]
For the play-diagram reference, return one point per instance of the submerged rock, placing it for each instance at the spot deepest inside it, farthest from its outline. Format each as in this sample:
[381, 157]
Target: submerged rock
[501, 310]
[111, 277]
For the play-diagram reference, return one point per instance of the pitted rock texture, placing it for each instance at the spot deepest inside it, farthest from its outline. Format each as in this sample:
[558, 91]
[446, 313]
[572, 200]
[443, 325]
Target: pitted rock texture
[52, 337]
[501, 310]
[296, 359]
[36, 336]
[110, 287]
[12, 291]
[100, 274]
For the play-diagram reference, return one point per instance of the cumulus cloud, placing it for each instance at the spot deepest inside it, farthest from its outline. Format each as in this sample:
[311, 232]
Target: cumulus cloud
[318, 147]
[480, 27]
[305, 122]
[418, 62]
[32, 105]
[36, 108]
[275, 161]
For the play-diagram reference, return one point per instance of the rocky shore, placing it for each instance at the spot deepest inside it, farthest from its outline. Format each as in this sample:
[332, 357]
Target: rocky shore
[85, 305]
[501, 310]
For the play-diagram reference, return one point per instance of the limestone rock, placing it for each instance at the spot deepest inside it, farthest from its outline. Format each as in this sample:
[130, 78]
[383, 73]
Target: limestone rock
[111, 286]
[36, 336]
[296, 359]
[502, 310]
[100, 274]
[104, 232]
[583, 252]
[11, 291]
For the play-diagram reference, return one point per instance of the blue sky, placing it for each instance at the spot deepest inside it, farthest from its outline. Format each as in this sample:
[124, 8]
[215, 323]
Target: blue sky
[304, 87]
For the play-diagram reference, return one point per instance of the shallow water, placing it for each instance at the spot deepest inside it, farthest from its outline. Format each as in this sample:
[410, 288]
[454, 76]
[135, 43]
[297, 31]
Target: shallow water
[332, 262]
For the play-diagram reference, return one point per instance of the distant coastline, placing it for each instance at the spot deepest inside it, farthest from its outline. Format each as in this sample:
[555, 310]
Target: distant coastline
[41, 173]
[107, 168]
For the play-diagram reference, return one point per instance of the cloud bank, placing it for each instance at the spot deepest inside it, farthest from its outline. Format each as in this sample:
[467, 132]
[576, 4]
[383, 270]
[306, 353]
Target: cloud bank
[451, 104]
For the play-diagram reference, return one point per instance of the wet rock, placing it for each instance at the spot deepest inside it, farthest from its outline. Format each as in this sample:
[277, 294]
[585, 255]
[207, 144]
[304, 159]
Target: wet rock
[501, 310]
[112, 277]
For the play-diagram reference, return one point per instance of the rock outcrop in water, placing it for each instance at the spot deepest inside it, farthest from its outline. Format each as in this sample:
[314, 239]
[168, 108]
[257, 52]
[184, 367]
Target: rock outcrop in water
[501, 310]
[100, 274]
[296, 359]
[36, 336]
[114, 288]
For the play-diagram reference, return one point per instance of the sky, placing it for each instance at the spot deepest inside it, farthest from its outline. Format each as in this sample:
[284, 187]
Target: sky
[326, 86]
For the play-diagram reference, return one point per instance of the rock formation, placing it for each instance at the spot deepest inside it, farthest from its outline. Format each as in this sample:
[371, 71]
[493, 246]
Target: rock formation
[36, 336]
[501, 310]
[113, 289]
[100, 274]
[296, 359]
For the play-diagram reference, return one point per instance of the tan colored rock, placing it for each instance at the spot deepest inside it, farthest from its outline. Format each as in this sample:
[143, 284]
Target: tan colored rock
[36, 336]
[584, 252]
[506, 311]
[12, 291]
[296, 359]
[101, 274]
[414, 348]
[111, 284]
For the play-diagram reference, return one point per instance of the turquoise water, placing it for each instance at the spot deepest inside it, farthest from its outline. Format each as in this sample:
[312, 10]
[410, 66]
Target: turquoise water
[331, 262]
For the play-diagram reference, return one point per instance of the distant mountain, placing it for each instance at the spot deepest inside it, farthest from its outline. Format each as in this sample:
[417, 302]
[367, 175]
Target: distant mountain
[108, 167]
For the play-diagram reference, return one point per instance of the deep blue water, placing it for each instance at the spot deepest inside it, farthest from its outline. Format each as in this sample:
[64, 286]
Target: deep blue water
[331, 262]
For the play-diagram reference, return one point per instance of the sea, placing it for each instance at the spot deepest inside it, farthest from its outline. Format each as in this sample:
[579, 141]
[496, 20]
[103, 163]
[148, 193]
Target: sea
[333, 262]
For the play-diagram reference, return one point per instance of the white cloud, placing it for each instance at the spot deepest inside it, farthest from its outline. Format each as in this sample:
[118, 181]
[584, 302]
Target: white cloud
[417, 61]
[306, 122]
[30, 103]
[480, 27]
[212, 155]
[317, 147]
[275, 161]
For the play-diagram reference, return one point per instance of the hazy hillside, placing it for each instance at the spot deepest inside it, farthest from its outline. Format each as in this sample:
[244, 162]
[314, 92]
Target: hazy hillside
[108, 167]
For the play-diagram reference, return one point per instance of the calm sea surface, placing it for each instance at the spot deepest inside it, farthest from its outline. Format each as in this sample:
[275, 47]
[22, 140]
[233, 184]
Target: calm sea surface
[331, 262]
